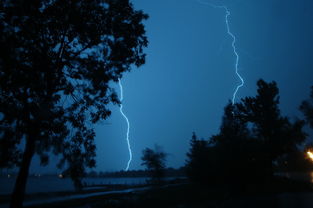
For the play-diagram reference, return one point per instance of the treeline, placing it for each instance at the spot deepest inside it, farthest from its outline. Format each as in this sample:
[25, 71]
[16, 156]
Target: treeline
[255, 140]
[168, 172]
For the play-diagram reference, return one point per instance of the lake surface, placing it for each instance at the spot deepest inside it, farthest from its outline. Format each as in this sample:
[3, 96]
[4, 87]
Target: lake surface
[46, 184]
[55, 184]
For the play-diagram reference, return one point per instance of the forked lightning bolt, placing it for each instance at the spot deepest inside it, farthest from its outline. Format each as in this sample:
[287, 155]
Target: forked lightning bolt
[126, 119]
[227, 12]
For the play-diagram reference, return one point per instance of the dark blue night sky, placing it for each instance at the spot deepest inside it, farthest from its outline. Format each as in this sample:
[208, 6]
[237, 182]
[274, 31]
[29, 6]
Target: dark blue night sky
[189, 75]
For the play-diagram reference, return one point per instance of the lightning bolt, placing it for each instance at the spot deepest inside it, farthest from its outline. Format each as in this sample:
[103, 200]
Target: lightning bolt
[227, 14]
[128, 126]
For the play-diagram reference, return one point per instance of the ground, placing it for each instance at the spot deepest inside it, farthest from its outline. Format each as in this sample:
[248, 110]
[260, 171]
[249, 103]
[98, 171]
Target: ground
[280, 193]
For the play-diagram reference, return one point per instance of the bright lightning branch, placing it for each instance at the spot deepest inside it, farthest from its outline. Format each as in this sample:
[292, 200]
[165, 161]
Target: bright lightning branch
[227, 14]
[127, 121]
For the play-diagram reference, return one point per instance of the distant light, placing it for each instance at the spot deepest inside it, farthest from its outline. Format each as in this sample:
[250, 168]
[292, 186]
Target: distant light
[60, 176]
[310, 154]
[9, 176]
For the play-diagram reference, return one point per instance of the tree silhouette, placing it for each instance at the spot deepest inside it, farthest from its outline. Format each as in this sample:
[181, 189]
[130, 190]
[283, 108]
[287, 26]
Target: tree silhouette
[154, 160]
[197, 163]
[253, 135]
[234, 147]
[275, 131]
[57, 60]
[233, 128]
[307, 109]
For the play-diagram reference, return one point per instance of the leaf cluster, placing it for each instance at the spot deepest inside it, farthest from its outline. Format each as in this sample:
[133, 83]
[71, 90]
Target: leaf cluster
[57, 61]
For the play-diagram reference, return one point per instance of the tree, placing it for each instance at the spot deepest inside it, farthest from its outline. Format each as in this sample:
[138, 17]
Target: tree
[57, 61]
[233, 128]
[154, 160]
[239, 152]
[252, 136]
[197, 163]
[277, 134]
[307, 109]
[232, 144]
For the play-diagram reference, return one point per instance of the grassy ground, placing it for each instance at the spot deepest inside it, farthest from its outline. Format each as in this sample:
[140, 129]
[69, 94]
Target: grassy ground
[278, 193]
[171, 196]
[101, 188]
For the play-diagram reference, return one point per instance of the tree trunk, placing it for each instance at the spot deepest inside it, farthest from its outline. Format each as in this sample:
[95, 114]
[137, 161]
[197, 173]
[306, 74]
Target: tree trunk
[20, 183]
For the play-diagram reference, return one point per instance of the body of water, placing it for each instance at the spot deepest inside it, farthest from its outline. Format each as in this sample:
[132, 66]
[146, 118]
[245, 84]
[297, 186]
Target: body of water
[55, 184]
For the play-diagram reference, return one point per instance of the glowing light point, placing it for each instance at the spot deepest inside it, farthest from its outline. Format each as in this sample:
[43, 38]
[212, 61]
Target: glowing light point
[128, 126]
[310, 154]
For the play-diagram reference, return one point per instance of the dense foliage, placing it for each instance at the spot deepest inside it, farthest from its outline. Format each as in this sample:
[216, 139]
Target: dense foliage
[253, 137]
[57, 61]
[154, 160]
[307, 109]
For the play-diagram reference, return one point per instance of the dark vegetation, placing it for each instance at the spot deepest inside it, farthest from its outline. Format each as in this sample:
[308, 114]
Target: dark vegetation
[57, 61]
[254, 141]
[154, 160]
[193, 195]
[236, 168]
